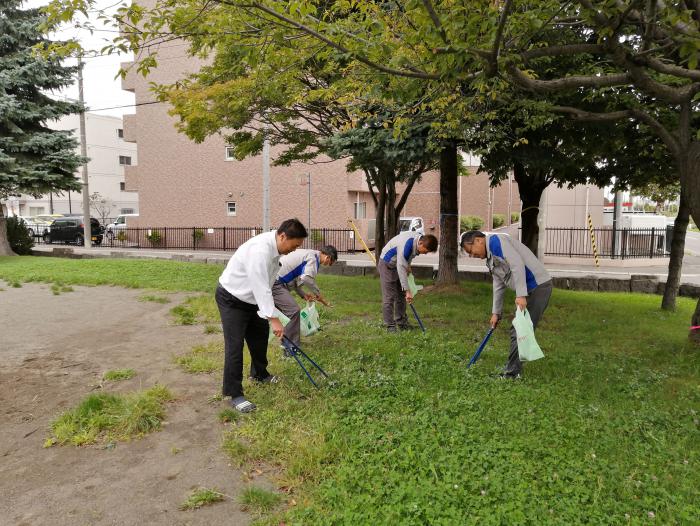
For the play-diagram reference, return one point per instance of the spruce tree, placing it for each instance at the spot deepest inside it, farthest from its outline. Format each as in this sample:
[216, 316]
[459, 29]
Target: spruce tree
[33, 158]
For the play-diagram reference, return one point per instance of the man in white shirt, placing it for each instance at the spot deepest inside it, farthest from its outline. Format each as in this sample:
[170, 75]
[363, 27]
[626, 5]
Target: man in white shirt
[247, 308]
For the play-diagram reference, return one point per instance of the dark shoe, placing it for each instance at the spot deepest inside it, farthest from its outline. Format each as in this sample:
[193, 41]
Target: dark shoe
[407, 327]
[269, 379]
[242, 405]
[392, 329]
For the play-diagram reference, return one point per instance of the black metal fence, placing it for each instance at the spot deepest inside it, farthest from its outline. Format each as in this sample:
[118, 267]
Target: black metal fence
[622, 243]
[203, 238]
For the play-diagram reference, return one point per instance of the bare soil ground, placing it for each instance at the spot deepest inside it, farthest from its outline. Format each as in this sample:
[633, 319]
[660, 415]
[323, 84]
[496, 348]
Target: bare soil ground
[53, 352]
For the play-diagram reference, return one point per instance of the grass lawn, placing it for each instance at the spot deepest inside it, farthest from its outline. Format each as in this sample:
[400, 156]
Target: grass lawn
[604, 430]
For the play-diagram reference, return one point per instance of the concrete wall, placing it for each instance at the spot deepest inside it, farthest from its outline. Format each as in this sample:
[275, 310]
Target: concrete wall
[566, 207]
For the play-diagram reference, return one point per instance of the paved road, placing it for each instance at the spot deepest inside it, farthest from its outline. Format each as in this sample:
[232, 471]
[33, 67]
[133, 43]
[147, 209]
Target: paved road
[692, 243]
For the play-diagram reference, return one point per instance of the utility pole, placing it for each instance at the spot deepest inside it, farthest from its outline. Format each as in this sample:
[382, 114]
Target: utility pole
[266, 183]
[308, 180]
[87, 230]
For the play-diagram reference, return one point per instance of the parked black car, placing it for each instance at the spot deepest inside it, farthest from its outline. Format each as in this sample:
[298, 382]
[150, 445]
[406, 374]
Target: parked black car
[70, 230]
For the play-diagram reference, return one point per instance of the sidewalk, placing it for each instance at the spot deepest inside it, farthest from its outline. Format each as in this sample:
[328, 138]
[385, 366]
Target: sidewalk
[575, 277]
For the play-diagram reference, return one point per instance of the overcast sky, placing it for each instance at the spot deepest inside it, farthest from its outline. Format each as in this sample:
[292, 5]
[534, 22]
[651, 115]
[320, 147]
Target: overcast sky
[101, 89]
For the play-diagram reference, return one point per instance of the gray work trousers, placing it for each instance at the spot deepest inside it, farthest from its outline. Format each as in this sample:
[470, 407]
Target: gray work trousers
[537, 301]
[393, 296]
[285, 303]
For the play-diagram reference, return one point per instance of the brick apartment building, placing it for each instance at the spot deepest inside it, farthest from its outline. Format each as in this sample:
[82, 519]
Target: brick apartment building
[181, 183]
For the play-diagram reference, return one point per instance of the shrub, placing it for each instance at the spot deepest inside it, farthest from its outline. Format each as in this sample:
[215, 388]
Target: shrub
[197, 236]
[154, 237]
[121, 237]
[470, 223]
[515, 217]
[18, 236]
[498, 220]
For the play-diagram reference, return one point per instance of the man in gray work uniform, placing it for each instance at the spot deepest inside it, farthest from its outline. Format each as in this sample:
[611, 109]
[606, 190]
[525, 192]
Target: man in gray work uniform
[512, 265]
[297, 273]
[394, 266]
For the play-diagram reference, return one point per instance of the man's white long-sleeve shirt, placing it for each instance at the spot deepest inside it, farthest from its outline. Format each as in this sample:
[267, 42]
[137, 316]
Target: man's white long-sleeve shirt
[251, 272]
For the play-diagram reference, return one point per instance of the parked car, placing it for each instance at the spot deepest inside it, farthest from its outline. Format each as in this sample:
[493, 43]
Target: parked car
[120, 223]
[71, 230]
[48, 218]
[35, 226]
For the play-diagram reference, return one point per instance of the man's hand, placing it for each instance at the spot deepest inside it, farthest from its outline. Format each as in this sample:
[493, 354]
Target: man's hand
[309, 297]
[495, 318]
[409, 297]
[408, 270]
[277, 327]
[521, 302]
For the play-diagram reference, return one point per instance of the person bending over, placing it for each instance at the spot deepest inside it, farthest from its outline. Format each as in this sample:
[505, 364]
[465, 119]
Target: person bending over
[394, 266]
[512, 265]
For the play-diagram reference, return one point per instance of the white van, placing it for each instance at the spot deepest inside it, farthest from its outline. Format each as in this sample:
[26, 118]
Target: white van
[413, 224]
[120, 223]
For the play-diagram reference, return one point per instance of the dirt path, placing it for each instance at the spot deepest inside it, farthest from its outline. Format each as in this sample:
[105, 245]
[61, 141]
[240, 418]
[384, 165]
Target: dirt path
[53, 352]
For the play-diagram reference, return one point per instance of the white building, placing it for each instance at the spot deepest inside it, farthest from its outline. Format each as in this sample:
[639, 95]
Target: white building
[108, 154]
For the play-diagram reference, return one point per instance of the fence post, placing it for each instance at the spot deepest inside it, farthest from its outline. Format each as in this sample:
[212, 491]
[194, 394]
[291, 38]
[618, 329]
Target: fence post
[224, 238]
[571, 240]
[194, 239]
[651, 245]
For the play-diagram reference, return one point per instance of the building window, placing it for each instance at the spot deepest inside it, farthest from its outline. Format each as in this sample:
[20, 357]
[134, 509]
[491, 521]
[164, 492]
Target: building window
[360, 210]
[122, 186]
[125, 160]
[36, 210]
[120, 133]
[231, 208]
[230, 154]
[127, 211]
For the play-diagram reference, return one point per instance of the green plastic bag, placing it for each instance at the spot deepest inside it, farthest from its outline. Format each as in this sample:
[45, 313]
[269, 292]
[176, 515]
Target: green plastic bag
[528, 348]
[283, 319]
[310, 323]
[412, 285]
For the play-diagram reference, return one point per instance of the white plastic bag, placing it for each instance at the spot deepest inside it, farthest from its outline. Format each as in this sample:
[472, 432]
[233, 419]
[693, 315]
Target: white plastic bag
[310, 323]
[412, 285]
[528, 348]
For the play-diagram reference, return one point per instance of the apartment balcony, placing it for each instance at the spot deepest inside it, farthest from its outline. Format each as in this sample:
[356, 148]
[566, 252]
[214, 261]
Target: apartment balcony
[131, 178]
[356, 182]
[130, 127]
[129, 81]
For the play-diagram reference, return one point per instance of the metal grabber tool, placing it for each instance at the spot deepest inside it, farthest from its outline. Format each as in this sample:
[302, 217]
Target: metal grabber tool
[293, 350]
[481, 347]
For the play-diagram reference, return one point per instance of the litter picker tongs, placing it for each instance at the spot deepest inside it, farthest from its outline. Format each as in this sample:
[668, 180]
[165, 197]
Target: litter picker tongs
[293, 350]
[480, 348]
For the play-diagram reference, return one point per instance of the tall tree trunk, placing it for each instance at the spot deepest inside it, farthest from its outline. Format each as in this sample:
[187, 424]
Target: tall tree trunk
[675, 263]
[379, 233]
[5, 249]
[447, 270]
[392, 220]
[690, 185]
[530, 185]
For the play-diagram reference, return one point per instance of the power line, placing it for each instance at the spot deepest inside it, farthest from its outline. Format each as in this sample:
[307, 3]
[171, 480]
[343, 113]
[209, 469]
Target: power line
[128, 105]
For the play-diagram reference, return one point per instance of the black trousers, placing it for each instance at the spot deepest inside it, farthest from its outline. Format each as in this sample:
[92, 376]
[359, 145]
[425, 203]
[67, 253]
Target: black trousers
[240, 321]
